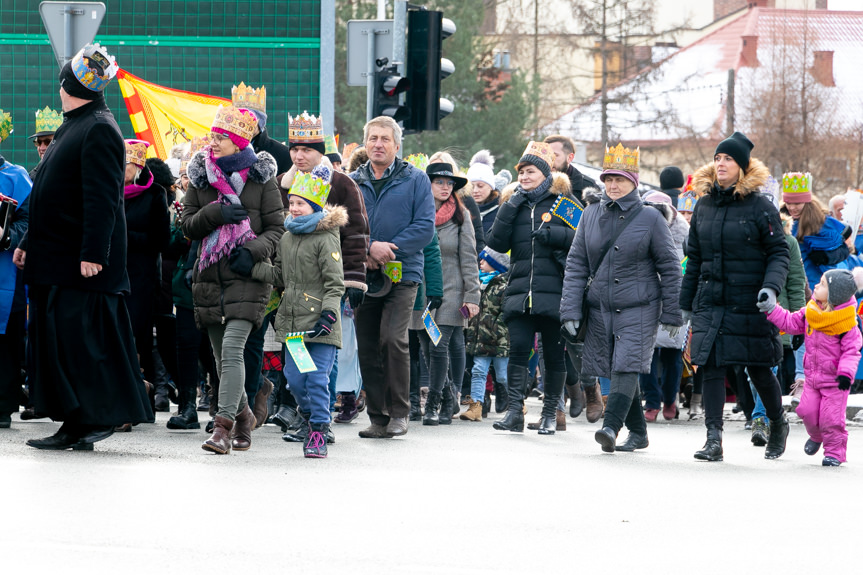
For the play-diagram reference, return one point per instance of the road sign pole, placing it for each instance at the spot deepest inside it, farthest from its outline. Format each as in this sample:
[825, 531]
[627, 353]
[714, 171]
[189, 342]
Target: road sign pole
[370, 77]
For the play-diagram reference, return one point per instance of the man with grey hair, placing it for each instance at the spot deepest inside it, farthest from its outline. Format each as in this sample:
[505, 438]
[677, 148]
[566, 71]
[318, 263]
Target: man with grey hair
[401, 215]
[836, 205]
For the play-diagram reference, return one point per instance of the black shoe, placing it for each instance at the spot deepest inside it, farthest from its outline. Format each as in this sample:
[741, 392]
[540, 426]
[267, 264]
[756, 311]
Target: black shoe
[513, 420]
[210, 426]
[547, 425]
[760, 432]
[204, 404]
[287, 418]
[576, 399]
[432, 417]
[301, 434]
[516, 384]
[447, 404]
[712, 450]
[162, 401]
[416, 413]
[554, 382]
[830, 462]
[633, 441]
[811, 447]
[97, 433]
[315, 445]
[60, 441]
[606, 437]
[486, 405]
[5, 421]
[187, 415]
[778, 437]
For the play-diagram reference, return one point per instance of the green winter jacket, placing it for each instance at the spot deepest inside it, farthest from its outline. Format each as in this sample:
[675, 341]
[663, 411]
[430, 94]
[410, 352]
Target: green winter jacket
[793, 295]
[432, 275]
[309, 267]
[487, 334]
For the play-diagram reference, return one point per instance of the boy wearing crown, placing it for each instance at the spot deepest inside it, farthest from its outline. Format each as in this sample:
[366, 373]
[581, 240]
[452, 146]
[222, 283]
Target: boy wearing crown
[308, 266]
[86, 371]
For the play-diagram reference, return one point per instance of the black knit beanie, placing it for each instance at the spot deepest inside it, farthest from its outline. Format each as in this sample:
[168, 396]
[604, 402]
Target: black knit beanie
[671, 178]
[739, 147]
[319, 146]
[335, 157]
[540, 164]
[69, 82]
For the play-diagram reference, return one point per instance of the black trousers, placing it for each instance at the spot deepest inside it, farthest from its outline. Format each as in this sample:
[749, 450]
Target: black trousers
[714, 391]
[12, 345]
[522, 329]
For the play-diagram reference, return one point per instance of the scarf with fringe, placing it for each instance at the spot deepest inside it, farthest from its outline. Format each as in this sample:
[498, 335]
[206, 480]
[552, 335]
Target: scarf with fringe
[833, 322]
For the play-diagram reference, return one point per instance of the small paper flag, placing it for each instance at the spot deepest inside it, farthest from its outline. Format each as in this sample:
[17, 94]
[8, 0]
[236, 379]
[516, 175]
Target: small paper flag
[273, 303]
[568, 211]
[431, 327]
[393, 270]
[299, 353]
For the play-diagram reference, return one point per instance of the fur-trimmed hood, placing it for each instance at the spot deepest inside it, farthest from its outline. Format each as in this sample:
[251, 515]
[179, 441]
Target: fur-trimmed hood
[591, 195]
[666, 210]
[753, 179]
[261, 171]
[560, 186]
[335, 217]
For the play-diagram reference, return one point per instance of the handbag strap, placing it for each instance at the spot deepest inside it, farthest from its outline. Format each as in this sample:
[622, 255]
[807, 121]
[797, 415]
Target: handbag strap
[606, 247]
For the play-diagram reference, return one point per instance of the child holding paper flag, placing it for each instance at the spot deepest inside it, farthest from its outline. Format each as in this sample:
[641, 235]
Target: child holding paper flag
[308, 265]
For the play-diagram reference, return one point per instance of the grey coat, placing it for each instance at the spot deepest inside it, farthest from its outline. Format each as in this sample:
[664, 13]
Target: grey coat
[460, 270]
[636, 287]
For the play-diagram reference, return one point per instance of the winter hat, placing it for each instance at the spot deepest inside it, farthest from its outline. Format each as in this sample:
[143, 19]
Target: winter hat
[842, 285]
[797, 188]
[739, 147]
[497, 260]
[658, 198]
[620, 161]
[239, 124]
[314, 187]
[308, 131]
[502, 180]
[445, 170]
[253, 100]
[540, 155]
[87, 74]
[136, 152]
[671, 178]
[482, 168]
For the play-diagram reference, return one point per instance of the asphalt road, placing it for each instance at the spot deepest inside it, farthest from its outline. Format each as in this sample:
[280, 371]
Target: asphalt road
[457, 499]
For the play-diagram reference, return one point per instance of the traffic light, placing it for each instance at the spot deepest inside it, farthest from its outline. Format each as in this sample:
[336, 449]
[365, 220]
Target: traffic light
[427, 29]
[388, 86]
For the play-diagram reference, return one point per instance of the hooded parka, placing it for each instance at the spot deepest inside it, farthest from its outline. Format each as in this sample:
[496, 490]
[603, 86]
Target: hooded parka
[736, 247]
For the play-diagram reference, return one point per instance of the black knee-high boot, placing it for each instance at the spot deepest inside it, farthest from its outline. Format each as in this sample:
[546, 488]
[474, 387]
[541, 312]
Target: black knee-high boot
[516, 384]
[554, 382]
[637, 426]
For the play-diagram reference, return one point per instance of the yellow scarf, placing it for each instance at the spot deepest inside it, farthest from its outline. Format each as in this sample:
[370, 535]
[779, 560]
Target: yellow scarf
[833, 322]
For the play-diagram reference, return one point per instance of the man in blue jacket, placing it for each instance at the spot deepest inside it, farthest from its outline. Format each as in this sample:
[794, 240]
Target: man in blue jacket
[401, 214]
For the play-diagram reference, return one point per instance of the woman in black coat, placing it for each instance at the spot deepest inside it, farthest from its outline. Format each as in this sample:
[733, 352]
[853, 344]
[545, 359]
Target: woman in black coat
[635, 289]
[738, 258]
[539, 243]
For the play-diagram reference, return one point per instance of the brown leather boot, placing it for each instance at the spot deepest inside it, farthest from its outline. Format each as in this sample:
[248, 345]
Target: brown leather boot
[593, 403]
[474, 411]
[261, 399]
[241, 439]
[220, 441]
[561, 420]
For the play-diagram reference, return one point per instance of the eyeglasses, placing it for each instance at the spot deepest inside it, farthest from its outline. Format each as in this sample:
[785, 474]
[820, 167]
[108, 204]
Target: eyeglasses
[217, 137]
[42, 141]
[443, 182]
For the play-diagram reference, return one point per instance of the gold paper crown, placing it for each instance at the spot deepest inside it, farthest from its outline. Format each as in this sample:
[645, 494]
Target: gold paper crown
[348, 150]
[198, 143]
[243, 96]
[305, 129]
[797, 183]
[312, 187]
[330, 145]
[233, 120]
[539, 150]
[136, 152]
[5, 125]
[620, 158]
[419, 161]
[47, 120]
[94, 67]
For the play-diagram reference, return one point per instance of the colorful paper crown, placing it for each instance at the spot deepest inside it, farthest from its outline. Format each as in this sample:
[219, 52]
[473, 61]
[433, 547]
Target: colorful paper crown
[313, 187]
[243, 96]
[620, 158]
[305, 129]
[136, 152]
[686, 202]
[237, 121]
[47, 120]
[5, 125]
[797, 183]
[419, 161]
[348, 150]
[330, 145]
[540, 150]
[94, 67]
[197, 144]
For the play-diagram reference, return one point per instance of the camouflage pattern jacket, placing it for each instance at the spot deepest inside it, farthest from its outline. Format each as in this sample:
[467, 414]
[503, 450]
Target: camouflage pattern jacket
[487, 334]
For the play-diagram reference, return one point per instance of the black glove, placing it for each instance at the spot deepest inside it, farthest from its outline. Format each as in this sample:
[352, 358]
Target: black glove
[844, 382]
[818, 257]
[241, 262]
[355, 296]
[517, 200]
[542, 235]
[797, 341]
[234, 214]
[325, 324]
[434, 302]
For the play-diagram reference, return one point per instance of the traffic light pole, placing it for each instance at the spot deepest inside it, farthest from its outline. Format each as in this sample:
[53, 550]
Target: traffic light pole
[370, 77]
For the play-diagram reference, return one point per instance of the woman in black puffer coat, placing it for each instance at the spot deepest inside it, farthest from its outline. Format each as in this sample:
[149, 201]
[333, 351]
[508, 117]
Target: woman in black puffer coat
[539, 244]
[738, 258]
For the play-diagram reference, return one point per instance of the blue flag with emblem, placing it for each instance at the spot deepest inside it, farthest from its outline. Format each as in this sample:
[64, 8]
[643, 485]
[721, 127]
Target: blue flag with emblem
[567, 210]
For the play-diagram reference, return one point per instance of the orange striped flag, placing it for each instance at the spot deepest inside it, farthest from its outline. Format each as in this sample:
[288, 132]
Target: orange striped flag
[164, 116]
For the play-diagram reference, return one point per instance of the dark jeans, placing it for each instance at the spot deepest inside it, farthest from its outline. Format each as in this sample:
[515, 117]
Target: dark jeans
[667, 365]
[188, 343]
[714, 391]
[382, 344]
[438, 357]
[521, 336]
[11, 361]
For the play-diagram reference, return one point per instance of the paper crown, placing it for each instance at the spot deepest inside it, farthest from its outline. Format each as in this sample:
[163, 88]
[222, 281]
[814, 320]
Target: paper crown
[197, 144]
[305, 129]
[5, 125]
[94, 67]
[348, 150]
[419, 161]
[237, 121]
[314, 187]
[797, 183]
[686, 202]
[136, 152]
[330, 145]
[47, 120]
[540, 150]
[243, 96]
[620, 158]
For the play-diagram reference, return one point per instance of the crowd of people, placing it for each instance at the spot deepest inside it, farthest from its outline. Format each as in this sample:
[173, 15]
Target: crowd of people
[264, 282]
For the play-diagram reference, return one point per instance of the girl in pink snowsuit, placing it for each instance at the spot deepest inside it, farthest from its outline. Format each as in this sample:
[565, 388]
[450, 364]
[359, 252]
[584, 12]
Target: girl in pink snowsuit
[833, 340]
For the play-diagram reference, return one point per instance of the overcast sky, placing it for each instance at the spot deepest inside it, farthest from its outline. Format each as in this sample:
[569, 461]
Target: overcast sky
[845, 4]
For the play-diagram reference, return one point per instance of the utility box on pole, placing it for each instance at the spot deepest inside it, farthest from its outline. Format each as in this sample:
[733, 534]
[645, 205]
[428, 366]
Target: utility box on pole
[71, 26]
